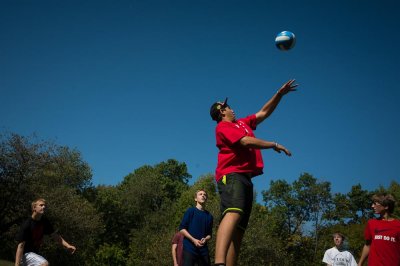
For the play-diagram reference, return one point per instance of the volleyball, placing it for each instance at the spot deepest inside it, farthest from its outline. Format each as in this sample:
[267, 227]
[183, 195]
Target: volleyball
[285, 40]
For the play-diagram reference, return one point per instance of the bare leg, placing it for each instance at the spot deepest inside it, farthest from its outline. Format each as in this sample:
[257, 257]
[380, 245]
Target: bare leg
[226, 236]
[234, 248]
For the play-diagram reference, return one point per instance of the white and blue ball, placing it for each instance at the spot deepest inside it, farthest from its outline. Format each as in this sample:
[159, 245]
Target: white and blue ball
[285, 40]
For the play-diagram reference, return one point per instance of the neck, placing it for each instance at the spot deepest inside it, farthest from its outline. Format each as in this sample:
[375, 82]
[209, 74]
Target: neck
[226, 119]
[199, 206]
[36, 216]
[386, 216]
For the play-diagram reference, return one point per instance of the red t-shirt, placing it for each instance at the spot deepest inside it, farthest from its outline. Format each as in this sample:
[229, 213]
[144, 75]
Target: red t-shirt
[385, 242]
[233, 157]
[178, 240]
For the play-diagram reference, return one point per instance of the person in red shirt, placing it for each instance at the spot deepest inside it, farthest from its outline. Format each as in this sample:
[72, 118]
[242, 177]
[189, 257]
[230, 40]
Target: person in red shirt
[239, 160]
[177, 249]
[382, 235]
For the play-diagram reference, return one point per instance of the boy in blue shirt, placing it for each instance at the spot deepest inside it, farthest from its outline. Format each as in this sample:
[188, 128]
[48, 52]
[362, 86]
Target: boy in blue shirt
[196, 226]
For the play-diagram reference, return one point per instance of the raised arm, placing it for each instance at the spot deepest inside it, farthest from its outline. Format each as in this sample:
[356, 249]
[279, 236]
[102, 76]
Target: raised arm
[270, 106]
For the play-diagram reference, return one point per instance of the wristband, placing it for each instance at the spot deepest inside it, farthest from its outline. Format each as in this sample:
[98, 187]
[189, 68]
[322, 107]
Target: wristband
[276, 144]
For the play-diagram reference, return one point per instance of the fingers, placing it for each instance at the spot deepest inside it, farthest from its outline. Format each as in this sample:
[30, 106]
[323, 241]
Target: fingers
[290, 84]
[281, 148]
[72, 249]
[288, 153]
[288, 87]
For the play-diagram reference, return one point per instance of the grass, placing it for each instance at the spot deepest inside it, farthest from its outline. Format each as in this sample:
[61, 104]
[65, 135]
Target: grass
[6, 263]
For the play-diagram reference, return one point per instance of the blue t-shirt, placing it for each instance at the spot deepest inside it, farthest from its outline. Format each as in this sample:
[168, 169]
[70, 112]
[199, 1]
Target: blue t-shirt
[199, 225]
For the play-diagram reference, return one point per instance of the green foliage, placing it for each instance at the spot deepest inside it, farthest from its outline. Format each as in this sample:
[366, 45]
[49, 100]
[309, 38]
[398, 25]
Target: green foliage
[133, 222]
[31, 169]
[76, 220]
[352, 207]
[110, 255]
[261, 246]
[158, 229]
[294, 205]
[108, 202]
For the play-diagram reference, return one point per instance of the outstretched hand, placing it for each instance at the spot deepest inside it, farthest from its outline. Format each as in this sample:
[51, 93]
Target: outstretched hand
[278, 148]
[288, 87]
[71, 249]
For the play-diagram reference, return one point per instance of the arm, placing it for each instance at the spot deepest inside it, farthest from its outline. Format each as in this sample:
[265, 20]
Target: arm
[19, 253]
[174, 250]
[195, 241]
[327, 258]
[64, 243]
[251, 142]
[270, 106]
[364, 254]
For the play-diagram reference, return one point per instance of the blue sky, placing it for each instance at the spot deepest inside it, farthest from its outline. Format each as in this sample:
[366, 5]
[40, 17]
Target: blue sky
[130, 83]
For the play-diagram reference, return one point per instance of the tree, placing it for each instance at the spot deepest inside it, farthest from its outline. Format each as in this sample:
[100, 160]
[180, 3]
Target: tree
[352, 207]
[394, 189]
[138, 211]
[294, 205]
[261, 245]
[161, 224]
[30, 169]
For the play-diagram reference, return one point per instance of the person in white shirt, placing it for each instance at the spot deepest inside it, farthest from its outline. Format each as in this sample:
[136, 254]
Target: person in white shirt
[337, 256]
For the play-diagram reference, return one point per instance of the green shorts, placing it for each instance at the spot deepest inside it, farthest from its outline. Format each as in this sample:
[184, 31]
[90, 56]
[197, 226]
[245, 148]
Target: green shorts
[236, 193]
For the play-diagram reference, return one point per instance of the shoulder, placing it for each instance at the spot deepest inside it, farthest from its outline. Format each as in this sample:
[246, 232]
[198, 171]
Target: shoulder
[371, 222]
[248, 119]
[329, 250]
[348, 253]
[177, 237]
[45, 221]
[224, 125]
[205, 213]
[328, 255]
[26, 223]
[376, 222]
[190, 210]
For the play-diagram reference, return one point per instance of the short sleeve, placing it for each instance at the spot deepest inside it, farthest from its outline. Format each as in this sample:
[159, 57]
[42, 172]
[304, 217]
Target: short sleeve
[22, 234]
[367, 231]
[186, 219]
[327, 258]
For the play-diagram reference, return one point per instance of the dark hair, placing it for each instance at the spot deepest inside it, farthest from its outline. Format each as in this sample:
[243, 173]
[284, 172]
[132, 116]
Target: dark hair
[386, 200]
[215, 110]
